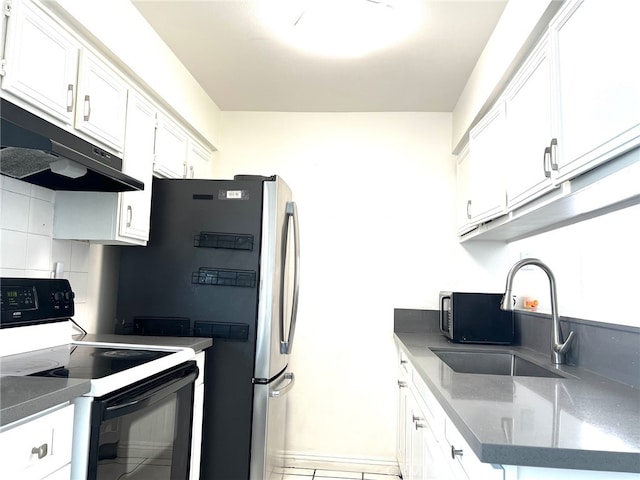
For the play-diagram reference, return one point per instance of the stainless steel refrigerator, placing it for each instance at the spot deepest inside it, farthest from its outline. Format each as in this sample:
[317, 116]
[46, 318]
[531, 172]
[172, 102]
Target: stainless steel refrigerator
[222, 261]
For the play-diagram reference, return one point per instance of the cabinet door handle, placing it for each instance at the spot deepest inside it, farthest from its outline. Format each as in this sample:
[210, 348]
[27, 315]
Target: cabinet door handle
[87, 107]
[554, 153]
[455, 452]
[41, 451]
[469, 209]
[70, 98]
[129, 215]
[184, 170]
[546, 160]
[191, 171]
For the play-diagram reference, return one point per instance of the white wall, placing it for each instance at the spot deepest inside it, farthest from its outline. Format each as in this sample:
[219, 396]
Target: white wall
[375, 198]
[595, 264]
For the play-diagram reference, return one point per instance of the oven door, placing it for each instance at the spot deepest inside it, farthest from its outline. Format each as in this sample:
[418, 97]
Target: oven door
[144, 431]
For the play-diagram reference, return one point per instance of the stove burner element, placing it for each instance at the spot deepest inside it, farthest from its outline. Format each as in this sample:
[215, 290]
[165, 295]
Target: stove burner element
[128, 354]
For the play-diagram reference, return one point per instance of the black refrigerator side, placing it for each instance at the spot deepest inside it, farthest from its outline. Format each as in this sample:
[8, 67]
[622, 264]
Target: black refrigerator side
[199, 276]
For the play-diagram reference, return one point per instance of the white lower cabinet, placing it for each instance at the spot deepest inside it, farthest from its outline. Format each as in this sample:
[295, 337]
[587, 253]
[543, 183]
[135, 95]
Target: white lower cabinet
[428, 445]
[38, 447]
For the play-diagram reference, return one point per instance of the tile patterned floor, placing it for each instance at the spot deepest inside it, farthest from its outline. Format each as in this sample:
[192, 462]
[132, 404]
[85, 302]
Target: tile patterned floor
[291, 473]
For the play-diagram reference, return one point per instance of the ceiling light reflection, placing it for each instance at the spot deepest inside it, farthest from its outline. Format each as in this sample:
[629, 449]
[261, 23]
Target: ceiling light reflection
[340, 28]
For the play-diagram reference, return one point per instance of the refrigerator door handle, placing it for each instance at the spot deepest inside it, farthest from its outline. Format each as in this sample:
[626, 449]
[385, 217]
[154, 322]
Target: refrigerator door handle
[279, 391]
[292, 216]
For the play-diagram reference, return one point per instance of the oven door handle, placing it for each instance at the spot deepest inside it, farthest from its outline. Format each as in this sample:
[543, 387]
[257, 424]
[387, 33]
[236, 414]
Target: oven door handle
[149, 396]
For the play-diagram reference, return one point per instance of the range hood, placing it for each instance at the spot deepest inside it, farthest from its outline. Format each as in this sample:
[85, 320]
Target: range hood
[36, 151]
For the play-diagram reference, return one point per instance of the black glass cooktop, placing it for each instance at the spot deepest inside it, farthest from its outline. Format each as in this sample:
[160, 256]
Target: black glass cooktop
[89, 362]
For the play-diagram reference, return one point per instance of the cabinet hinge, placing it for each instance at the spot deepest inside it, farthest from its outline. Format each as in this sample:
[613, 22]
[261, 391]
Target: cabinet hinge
[7, 8]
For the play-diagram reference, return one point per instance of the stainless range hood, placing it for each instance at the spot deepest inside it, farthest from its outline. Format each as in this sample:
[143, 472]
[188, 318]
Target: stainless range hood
[39, 152]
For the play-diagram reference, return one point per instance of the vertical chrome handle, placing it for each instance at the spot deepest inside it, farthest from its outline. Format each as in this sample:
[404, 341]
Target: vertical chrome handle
[191, 171]
[70, 98]
[129, 215]
[291, 213]
[184, 169]
[41, 451]
[554, 154]
[469, 209]
[87, 107]
[546, 160]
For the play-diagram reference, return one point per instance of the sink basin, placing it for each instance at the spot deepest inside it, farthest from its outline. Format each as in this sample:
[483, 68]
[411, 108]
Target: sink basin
[493, 363]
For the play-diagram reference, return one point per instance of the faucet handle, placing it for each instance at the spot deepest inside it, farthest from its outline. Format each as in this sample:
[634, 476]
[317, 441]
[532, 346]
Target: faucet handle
[564, 347]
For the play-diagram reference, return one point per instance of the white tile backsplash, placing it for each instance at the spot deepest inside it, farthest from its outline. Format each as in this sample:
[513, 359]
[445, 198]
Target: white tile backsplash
[12, 185]
[12, 215]
[41, 217]
[27, 247]
[14, 249]
[38, 252]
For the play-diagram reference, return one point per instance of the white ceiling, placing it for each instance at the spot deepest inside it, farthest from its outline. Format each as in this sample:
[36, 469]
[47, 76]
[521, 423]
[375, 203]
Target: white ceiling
[244, 67]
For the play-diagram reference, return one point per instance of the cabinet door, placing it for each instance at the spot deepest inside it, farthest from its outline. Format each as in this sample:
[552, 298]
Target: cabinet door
[402, 443]
[39, 446]
[529, 131]
[102, 101]
[598, 79]
[171, 149]
[463, 192]
[198, 160]
[135, 207]
[486, 174]
[41, 62]
[416, 432]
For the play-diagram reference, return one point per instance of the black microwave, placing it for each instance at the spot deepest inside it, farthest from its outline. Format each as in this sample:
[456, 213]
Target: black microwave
[468, 317]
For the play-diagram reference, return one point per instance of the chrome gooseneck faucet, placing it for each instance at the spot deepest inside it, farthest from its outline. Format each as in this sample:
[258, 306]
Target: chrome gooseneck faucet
[558, 347]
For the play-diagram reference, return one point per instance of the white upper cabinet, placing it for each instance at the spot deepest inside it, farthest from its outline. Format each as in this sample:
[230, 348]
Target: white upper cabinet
[486, 168]
[135, 207]
[115, 218]
[199, 160]
[171, 149]
[53, 73]
[463, 194]
[598, 82]
[40, 63]
[572, 106]
[529, 140]
[101, 101]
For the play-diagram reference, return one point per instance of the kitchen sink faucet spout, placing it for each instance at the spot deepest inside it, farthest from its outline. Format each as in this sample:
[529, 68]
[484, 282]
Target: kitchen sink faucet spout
[558, 347]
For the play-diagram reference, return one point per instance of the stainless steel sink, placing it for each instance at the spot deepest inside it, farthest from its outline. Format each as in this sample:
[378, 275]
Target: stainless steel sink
[493, 363]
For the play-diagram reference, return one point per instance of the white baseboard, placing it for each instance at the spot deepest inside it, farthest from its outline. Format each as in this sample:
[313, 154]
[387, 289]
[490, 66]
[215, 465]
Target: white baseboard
[388, 466]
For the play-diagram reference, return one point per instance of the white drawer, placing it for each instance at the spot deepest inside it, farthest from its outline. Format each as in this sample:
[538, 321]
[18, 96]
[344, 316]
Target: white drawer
[38, 446]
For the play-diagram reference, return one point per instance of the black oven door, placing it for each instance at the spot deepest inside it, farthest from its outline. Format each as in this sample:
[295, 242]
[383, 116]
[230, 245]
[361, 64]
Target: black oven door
[144, 430]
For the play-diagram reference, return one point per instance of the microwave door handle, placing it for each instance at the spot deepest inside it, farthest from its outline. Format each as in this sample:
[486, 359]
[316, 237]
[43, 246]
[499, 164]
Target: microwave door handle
[443, 313]
[292, 217]
[148, 398]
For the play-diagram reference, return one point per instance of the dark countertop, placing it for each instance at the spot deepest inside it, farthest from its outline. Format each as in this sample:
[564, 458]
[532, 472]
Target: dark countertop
[587, 423]
[24, 396]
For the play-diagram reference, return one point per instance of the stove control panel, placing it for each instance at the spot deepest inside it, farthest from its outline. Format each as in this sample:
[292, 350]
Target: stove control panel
[26, 301]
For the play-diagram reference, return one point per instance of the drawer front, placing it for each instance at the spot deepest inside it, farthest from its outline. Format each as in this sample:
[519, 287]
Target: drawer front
[38, 447]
